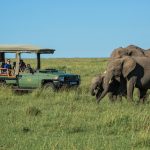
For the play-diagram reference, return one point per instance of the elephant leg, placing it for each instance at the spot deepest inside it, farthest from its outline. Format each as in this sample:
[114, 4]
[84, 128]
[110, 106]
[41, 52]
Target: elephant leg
[138, 94]
[123, 86]
[122, 89]
[119, 98]
[143, 95]
[130, 88]
[110, 96]
[114, 97]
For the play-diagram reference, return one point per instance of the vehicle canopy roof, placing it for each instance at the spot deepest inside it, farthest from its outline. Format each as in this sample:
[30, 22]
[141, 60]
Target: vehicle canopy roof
[25, 49]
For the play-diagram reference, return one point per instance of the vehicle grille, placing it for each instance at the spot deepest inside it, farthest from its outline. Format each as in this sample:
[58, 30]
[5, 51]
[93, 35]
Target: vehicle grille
[70, 78]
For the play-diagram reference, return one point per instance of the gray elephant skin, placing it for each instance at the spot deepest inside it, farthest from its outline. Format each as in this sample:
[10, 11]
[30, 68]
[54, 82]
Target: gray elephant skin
[130, 50]
[113, 91]
[118, 90]
[135, 70]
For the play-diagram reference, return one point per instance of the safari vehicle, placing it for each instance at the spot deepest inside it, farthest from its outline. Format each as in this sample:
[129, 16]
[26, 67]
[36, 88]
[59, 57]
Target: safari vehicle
[28, 80]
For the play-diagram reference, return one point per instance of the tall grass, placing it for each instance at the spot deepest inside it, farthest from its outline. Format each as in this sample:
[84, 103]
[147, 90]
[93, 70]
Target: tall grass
[71, 119]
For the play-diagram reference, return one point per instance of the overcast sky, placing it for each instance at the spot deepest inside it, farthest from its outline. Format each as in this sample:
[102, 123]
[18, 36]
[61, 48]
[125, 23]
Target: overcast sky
[76, 28]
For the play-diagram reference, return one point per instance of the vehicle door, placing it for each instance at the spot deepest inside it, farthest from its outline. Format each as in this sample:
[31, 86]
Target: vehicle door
[28, 80]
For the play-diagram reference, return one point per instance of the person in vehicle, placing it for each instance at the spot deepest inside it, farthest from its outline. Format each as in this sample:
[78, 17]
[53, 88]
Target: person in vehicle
[29, 69]
[2, 66]
[22, 65]
[7, 65]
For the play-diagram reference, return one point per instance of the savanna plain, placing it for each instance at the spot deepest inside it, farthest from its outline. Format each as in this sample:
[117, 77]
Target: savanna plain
[71, 119]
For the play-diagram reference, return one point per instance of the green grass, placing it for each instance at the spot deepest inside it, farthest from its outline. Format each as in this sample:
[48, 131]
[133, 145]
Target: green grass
[72, 119]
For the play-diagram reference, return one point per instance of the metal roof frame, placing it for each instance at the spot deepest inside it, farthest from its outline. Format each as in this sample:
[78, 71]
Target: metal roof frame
[18, 49]
[25, 49]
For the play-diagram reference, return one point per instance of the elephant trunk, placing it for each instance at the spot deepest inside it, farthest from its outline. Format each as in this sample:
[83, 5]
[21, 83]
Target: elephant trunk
[102, 95]
[92, 92]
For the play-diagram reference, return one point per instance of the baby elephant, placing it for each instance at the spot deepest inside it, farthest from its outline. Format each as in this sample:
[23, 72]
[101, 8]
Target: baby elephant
[113, 92]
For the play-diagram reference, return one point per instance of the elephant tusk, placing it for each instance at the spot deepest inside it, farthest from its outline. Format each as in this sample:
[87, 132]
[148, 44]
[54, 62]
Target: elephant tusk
[98, 88]
[105, 72]
[110, 81]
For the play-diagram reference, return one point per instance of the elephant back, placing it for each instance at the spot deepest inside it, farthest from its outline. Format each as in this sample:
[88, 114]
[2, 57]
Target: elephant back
[135, 51]
[130, 50]
[147, 53]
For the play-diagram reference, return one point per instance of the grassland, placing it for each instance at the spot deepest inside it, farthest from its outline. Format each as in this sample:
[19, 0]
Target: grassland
[72, 120]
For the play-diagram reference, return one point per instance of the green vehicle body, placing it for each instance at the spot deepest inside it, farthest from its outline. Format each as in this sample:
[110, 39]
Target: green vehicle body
[40, 77]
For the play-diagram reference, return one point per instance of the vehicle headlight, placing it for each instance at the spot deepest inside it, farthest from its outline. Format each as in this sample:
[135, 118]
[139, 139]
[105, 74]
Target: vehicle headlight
[56, 78]
[61, 78]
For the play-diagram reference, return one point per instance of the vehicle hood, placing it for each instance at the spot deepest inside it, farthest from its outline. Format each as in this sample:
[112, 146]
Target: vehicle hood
[56, 72]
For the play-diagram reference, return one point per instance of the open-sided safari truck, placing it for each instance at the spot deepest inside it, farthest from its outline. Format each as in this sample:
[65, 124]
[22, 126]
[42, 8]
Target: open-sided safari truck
[37, 78]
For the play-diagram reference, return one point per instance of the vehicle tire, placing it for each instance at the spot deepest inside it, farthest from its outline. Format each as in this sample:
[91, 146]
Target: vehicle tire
[50, 86]
[2, 83]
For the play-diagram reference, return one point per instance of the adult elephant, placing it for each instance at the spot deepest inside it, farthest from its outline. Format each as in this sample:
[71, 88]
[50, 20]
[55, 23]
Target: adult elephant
[136, 71]
[114, 92]
[130, 50]
[147, 52]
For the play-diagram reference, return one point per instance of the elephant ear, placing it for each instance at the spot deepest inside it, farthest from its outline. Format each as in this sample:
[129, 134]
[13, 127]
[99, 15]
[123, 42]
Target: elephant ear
[129, 65]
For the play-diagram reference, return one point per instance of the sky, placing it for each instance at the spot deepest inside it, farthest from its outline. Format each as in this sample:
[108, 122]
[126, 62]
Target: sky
[76, 28]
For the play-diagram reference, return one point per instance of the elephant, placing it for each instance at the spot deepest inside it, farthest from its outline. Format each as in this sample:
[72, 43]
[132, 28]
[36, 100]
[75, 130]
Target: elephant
[147, 52]
[96, 85]
[113, 91]
[136, 72]
[130, 50]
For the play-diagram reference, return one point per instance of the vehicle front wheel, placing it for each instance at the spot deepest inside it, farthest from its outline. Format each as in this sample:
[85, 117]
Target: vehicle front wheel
[49, 86]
